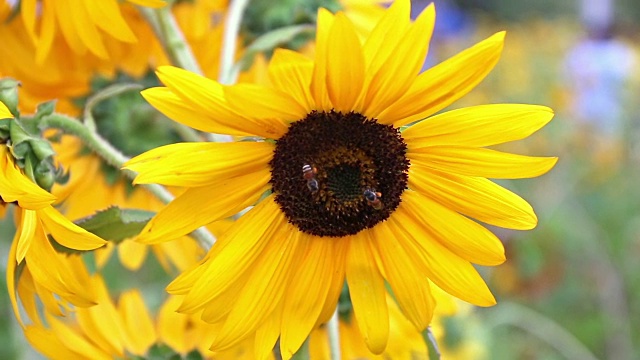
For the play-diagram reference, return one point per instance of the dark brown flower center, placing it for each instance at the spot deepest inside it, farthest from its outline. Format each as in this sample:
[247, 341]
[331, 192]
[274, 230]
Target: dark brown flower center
[336, 174]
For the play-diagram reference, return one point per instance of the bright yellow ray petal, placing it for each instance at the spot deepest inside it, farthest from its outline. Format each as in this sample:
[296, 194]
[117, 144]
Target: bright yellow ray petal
[132, 254]
[389, 30]
[475, 197]
[345, 65]
[4, 112]
[213, 202]
[170, 104]
[78, 15]
[402, 66]
[107, 16]
[306, 294]
[71, 339]
[479, 126]
[410, 286]
[366, 288]
[340, 251]
[445, 83]
[199, 163]
[480, 162]
[263, 102]
[49, 344]
[67, 233]
[262, 292]
[236, 252]
[149, 3]
[466, 238]
[290, 72]
[11, 282]
[447, 270]
[140, 327]
[318, 80]
[267, 335]
[14, 186]
[26, 229]
[208, 96]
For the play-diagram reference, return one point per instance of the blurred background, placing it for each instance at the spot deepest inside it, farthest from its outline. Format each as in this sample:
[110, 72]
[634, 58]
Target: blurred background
[570, 289]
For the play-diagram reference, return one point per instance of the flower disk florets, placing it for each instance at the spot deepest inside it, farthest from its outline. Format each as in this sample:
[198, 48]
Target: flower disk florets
[336, 174]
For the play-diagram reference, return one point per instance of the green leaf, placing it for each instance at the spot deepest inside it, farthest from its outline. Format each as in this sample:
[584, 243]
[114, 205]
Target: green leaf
[115, 224]
[270, 41]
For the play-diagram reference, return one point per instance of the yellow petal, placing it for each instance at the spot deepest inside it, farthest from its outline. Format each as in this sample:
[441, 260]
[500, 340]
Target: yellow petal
[447, 270]
[49, 344]
[479, 126]
[149, 3]
[78, 15]
[290, 72]
[410, 286]
[106, 15]
[132, 254]
[318, 80]
[345, 65]
[199, 164]
[445, 83]
[4, 112]
[306, 294]
[215, 201]
[14, 186]
[466, 238]
[209, 96]
[480, 162]
[267, 335]
[236, 251]
[11, 281]
[401, 67]
[170, 104]
[67, 233]
[138, 323]
[26, 229]
[70, 338]
[475, 197]
[367, 292]
[340, 251]
[263, 103]
[262, 292]
[389, 30]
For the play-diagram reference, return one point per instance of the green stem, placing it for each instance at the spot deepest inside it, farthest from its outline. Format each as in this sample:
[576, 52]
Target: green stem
[230, 37]
[334, 335]
[115, 158]
[165, 26]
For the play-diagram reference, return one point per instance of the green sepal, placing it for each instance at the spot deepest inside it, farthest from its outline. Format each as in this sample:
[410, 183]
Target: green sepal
[116, 224]
[5, 129]
[9, 94]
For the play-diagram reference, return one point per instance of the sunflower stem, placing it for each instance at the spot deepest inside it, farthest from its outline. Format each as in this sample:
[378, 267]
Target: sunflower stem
[334, 335]
[228, 74]
[115, 158]
[166, 27]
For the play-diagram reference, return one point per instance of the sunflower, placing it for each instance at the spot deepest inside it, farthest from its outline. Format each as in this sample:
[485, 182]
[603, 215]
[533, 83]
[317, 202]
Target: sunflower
[126, 329]
[33, 261]
[356, 178]
[84, 24]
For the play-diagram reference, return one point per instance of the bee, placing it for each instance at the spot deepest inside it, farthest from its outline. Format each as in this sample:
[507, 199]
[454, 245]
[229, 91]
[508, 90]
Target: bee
[309, 173]
[373, 198]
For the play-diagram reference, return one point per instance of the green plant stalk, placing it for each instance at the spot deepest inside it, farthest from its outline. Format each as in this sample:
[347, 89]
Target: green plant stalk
[116, 158]
[228, 75]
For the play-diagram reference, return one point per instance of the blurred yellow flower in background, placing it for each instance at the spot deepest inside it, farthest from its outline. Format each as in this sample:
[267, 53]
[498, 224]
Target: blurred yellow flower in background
[355, 191]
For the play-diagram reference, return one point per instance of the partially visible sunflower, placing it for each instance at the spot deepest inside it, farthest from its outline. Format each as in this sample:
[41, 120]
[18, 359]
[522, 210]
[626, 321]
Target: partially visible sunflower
[83, 24]
[126, 330]
[365, 182]
[53, 277]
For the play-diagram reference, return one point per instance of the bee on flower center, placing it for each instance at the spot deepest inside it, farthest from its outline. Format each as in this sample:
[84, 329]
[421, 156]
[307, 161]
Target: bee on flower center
[373, 198]
[309, 173]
